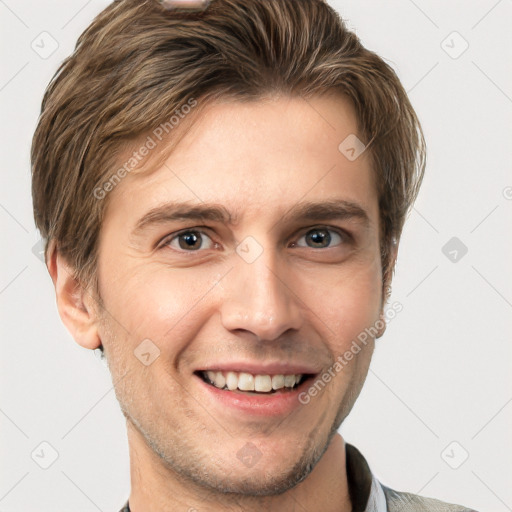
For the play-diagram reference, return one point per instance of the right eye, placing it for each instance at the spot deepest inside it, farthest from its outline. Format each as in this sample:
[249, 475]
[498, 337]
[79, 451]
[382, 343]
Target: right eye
[189, 240]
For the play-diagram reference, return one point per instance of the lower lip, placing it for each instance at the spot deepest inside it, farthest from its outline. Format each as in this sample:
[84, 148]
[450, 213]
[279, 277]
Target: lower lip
[275, 404]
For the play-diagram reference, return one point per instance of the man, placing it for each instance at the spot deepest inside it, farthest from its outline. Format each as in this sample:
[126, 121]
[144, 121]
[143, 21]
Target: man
[222, 187]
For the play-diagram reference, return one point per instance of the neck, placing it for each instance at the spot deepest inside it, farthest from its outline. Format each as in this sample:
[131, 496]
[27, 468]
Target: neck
[157, 488]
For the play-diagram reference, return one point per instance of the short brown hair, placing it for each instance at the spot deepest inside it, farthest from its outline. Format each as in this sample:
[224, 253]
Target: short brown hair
[138, 63]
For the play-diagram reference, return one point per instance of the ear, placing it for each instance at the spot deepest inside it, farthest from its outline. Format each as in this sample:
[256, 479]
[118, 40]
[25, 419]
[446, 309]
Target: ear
[74, 303]
[386, 284]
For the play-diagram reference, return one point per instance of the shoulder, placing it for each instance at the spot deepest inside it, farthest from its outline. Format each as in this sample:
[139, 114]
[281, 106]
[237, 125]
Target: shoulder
[406, 502]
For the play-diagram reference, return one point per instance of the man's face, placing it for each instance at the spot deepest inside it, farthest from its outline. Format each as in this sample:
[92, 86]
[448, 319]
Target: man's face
[279, 289]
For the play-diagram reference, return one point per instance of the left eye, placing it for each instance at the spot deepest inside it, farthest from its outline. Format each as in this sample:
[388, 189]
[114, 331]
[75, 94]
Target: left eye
[190, 241]
[320, 238]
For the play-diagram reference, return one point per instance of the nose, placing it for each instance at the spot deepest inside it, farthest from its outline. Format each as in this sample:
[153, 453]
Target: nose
[258, 298]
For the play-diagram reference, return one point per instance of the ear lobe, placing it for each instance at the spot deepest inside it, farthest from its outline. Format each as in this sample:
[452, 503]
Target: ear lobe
[73, 302]
[381, 326]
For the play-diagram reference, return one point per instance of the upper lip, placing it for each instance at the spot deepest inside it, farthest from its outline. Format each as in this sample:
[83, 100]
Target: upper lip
[275, 368]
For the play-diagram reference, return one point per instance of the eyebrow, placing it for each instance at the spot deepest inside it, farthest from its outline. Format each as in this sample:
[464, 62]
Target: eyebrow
[333, 209]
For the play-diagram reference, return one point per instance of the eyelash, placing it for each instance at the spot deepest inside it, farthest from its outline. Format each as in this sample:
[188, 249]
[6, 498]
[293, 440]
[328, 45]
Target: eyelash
[165, 243]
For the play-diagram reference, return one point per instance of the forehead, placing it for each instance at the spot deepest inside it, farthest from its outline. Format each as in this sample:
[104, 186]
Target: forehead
[255, 158]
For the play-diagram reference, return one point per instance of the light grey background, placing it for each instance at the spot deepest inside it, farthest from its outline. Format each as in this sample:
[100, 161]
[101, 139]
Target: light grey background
[439, 387]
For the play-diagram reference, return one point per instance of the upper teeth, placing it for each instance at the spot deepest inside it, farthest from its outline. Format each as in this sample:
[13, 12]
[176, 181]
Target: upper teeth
[249, 382]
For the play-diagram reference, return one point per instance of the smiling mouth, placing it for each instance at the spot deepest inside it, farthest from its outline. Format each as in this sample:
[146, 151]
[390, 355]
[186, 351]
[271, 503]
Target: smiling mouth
[247, 383]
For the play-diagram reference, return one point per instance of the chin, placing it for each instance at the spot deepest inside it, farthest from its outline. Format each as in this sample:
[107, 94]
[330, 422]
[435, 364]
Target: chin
[261, 482]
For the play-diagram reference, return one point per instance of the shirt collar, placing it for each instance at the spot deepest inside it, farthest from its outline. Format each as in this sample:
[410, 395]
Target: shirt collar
[377, 499]
[366, 493]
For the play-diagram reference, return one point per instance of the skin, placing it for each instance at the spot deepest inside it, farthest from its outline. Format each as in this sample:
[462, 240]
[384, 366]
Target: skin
[297, 302]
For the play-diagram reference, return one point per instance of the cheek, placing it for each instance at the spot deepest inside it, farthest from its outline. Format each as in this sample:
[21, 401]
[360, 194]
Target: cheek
[156, 303]
[350, 305]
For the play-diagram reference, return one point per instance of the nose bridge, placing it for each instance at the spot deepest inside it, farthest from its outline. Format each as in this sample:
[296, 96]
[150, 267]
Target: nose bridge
[258, 298]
